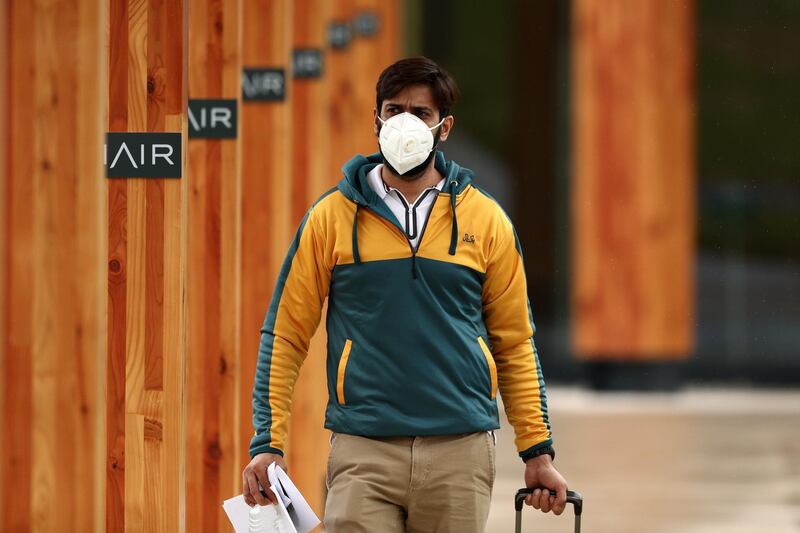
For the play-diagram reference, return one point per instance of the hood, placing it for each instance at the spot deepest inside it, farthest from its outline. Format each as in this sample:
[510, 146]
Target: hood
[355, 187]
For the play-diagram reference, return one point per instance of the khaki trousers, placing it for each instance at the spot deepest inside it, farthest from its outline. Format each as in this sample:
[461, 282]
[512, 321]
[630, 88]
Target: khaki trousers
[409, 484]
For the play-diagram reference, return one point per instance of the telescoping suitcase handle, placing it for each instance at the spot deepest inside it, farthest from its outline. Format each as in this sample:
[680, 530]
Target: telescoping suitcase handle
[572, 497]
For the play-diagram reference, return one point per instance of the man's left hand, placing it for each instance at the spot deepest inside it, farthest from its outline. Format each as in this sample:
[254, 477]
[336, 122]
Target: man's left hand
[540, 472]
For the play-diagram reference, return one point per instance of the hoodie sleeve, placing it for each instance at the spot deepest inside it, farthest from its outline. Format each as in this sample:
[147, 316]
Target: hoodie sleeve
[290, 322]
[509, 321]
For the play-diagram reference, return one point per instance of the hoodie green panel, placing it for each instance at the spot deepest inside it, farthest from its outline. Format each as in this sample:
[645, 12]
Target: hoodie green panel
[415, 366]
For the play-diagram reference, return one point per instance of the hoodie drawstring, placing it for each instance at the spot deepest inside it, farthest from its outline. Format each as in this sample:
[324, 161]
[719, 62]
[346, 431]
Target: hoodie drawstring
[454, 233]
[356, 255]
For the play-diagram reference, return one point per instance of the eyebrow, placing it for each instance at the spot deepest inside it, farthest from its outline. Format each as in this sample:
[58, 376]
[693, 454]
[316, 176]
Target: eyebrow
[414, 108]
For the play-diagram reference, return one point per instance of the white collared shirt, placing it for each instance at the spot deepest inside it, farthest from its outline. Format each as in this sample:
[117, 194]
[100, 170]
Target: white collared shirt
[411, 216]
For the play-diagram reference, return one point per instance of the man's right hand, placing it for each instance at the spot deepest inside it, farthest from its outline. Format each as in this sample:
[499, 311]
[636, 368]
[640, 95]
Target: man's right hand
[254, 474]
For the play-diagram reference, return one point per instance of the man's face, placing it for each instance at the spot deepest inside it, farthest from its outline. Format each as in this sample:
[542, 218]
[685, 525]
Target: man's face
[417, 100]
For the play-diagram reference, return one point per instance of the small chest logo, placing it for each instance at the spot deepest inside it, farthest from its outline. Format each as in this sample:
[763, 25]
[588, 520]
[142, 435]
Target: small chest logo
[469, 238]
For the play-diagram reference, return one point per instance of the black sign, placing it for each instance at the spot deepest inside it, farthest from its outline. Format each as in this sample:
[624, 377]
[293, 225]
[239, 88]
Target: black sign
[212, 119]
[142, 155]
[366, 24]
[264, 84]
[339, 35]
[307, 63]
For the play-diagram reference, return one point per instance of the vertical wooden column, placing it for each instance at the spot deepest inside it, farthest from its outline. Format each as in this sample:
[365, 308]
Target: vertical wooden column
[213, 447]
[367, 59]
[147, 224]
[373, 50]
[310, 178]
[633, 182]
[52, 262]
[4, 248]
[310, 136]
[266, 181]
[391, 21]
[341, 79]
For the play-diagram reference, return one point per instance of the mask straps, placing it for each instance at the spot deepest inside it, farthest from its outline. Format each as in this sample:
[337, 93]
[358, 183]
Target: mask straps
[437, 125]
[431, 128]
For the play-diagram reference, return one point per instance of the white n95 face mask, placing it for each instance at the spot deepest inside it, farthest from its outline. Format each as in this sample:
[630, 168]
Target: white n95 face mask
[406, 141]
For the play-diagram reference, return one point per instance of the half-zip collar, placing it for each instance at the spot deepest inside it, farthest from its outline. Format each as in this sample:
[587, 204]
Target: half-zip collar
[355, 187]
[403, 209]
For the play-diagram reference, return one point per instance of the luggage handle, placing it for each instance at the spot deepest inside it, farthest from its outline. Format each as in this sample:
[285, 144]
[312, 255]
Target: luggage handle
[573, 497]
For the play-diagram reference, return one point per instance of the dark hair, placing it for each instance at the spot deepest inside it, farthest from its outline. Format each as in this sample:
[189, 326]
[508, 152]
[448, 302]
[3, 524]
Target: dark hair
[418, 71]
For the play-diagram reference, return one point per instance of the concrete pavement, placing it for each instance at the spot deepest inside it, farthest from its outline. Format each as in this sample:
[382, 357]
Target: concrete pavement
[697, 461]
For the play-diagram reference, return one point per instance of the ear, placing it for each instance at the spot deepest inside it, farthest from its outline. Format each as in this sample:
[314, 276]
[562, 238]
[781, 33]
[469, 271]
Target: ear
[446, 128]
[375, 121]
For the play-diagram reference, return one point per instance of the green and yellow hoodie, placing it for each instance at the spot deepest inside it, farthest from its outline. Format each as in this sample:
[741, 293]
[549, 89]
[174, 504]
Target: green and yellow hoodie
[419, 341]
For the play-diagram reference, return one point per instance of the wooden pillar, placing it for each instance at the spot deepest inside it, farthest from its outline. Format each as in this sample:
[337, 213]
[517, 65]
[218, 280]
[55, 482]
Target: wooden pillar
[310, 177]
[266, 181]
[310, 146]
[391, 24]
[633, 179]
[4, 245]
[52, 260]
[341, 79]
[5, 250]
[376, 44]
[146, 276]
[310, 94]
[367, 59]
[214, 450]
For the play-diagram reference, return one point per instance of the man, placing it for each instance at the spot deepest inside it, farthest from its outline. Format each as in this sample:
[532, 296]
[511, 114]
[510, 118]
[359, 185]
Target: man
[428, 317]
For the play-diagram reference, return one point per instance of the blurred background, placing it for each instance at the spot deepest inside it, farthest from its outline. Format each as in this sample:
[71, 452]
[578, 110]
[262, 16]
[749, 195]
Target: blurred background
[646, 151]
[648, 155]
[518, 128]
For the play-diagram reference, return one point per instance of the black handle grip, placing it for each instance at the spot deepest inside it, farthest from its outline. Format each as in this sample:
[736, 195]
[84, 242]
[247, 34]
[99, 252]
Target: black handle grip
[573, 497]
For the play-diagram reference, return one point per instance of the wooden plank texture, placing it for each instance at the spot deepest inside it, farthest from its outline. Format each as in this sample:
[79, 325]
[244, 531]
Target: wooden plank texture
[310, 158]
[371, 54]
[367, 59]
[633, 179]
[130, 309]
[52, 262]
[266, 180]
[18, 281]
[4, 248]
[147, 239]
[213, 446]
[340, 70]
[391, 20]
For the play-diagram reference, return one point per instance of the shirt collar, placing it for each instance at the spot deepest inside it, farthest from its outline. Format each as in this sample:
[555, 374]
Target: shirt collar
[382, 189]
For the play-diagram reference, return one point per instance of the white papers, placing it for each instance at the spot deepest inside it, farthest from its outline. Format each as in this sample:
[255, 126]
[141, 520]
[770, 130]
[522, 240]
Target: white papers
[291, 515]
[237, 512]
[291, 503]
